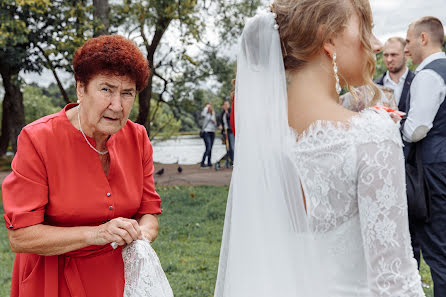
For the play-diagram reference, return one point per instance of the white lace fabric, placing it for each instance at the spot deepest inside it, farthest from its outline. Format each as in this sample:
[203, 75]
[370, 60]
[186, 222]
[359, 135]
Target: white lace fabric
[144, 276]
[353, 239]
[354, 183]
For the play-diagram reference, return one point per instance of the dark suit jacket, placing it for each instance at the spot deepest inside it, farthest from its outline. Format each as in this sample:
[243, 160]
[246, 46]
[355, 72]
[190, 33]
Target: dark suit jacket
[402, 104]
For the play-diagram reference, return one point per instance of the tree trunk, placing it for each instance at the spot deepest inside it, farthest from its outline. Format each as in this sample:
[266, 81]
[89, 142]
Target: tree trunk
[146, 95]
[144, 105]
[13, 111]
[4, 138]
[101, 16]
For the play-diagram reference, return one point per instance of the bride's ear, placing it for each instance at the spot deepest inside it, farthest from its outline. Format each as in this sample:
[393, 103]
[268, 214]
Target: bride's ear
[329, 48]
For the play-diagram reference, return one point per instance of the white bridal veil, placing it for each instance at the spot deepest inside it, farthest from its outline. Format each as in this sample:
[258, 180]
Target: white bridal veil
[267, 247]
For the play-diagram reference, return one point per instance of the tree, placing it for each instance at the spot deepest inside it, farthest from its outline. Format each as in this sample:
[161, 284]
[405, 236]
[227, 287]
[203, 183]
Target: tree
[36, 104]
[101, 17]
[20, 22]
[222, 69]
[149, 21]
[68, 25]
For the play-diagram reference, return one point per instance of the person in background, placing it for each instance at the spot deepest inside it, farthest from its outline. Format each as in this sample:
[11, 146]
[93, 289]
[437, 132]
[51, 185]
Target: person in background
[426, 125]
[81, 179]
[232, 118]
[398, 77]
[226, 130]
[209, 127]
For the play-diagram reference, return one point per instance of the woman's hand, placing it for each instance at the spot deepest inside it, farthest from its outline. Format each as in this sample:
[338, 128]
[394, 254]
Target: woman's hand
[120, 230]
[395, 117]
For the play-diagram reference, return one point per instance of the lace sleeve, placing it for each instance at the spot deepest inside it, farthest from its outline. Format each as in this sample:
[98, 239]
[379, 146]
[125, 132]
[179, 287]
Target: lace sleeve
[391, 268]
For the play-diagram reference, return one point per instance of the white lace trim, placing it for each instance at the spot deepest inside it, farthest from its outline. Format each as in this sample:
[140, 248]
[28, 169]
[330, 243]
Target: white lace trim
[144, 276]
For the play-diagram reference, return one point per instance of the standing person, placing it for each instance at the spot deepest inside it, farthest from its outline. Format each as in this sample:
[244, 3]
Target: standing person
[209, 126]
[232, 121]
[226, 129]
[317, 204]
[398, 76]
[81, 179]
[426, 125]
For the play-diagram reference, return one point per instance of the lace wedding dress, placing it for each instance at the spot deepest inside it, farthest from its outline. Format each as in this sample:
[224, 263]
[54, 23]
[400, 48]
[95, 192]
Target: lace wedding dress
[322, 214]
[354, 182]
[144, 276]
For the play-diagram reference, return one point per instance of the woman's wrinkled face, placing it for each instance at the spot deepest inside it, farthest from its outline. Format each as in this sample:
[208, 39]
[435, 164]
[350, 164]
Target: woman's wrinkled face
[105, 103]
[350, 52]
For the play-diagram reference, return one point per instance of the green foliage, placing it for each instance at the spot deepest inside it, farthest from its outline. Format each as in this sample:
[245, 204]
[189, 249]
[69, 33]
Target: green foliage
[70, 24]
[164, 122]
[36, 104]
[18, 31]
[381, 67]
[6, 259]
[444, 44]
[45, 34]
[53, 92]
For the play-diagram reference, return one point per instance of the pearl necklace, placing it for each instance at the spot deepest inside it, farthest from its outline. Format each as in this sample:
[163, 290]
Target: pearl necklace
[80, 128]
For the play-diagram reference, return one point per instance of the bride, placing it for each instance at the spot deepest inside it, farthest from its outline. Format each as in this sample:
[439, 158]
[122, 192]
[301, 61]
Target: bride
[317, 203]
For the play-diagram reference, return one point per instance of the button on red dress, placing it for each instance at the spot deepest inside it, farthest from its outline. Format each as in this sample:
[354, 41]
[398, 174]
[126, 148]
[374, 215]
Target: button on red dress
[58, 180]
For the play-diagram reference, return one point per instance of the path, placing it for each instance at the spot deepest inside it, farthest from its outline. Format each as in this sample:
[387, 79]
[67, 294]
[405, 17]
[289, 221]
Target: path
[191, 175]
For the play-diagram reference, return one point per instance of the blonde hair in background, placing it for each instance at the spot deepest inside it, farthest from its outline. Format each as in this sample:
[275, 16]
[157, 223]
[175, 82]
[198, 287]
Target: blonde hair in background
[304, 26]
[401, 40]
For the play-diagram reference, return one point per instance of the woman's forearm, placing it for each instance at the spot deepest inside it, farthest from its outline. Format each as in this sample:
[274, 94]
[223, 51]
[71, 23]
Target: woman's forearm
[149, 226]
[50, 240]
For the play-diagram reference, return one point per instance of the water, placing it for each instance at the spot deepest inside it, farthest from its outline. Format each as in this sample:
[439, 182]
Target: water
[185, 150]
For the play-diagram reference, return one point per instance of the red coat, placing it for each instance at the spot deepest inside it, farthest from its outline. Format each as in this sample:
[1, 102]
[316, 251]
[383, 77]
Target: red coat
[232, 120]
[58, 180]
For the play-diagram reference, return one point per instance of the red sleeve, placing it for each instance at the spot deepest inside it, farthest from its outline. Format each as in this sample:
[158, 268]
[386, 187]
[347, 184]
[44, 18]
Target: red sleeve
[232, 120]
[25, 190]
[151, 201]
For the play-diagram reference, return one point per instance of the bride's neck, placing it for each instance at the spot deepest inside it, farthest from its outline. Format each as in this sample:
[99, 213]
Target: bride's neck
[312, 95]
[314, 83]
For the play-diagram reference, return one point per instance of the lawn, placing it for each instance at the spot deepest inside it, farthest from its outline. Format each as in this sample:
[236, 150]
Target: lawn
[188, 244]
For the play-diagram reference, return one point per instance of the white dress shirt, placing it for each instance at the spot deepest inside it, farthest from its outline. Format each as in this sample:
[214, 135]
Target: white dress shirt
[427, 92]
[396, 87]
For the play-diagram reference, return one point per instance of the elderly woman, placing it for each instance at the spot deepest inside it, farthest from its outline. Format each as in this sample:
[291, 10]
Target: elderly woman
[82, 179]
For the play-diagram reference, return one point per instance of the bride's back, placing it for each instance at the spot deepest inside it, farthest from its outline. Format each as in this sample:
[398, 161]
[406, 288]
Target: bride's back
[351, 237]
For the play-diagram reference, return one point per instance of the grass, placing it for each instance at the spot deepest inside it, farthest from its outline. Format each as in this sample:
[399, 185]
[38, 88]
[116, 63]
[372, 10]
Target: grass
[5, 163]
[188, 244]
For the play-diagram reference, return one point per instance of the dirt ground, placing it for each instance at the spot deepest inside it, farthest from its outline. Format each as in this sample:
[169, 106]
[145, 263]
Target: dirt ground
[191, 175]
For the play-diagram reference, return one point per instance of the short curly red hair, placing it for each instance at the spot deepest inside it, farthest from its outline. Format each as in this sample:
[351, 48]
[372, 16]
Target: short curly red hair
[111, 54]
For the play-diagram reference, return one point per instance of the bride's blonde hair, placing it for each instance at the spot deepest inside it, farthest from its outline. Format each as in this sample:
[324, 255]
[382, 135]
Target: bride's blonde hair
[305, 25]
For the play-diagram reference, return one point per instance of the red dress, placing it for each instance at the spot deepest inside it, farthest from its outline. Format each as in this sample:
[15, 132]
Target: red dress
[58, 180]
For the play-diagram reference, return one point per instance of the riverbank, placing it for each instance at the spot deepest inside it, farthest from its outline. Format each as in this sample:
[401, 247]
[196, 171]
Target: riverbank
[190, 175]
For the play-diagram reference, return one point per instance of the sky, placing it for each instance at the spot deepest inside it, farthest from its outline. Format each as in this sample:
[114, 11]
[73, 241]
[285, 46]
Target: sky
[391, 18]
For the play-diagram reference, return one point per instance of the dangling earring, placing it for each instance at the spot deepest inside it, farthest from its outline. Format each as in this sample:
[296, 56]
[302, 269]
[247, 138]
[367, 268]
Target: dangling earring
[335, 69]
[78, 101]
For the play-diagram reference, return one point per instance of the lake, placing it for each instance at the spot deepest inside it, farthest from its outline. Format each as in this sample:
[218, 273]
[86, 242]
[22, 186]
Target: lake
[186, 150]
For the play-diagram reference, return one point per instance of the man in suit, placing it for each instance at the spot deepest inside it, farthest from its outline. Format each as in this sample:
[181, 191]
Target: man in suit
[398, 76]
[426, 126]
